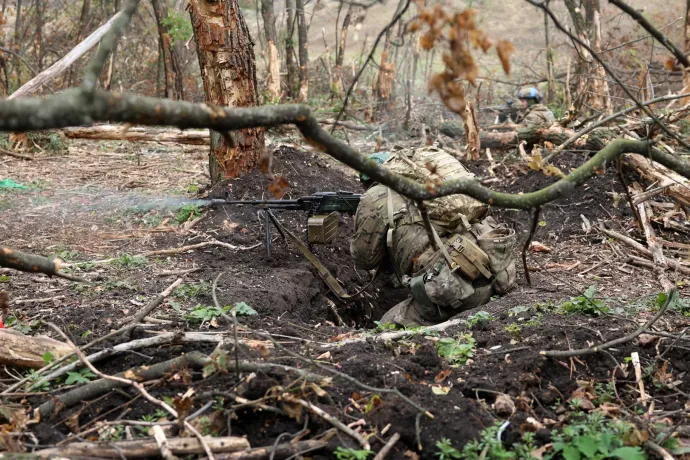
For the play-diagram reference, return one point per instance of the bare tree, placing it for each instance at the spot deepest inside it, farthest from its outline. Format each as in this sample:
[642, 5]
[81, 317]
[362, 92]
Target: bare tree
[228, 69]
[269, 18]
[550, 83]
[290, 60]
[303, 52]
[83, 26]
[355, 14]
[686, 74]
[591, 86]
[383, 88]
[174, 83]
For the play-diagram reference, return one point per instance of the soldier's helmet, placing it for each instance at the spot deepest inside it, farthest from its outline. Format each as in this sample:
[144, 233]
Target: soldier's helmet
[530, 93]
[378, 157]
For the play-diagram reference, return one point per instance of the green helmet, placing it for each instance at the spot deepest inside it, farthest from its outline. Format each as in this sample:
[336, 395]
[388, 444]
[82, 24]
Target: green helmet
[380, 158]
[530, 93]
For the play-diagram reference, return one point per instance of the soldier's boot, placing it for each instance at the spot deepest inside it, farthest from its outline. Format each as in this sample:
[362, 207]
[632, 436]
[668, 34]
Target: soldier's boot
[406, 313]
[499, 245]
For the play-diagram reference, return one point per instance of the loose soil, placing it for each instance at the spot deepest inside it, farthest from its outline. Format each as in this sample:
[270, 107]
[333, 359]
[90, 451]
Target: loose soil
[79, 210]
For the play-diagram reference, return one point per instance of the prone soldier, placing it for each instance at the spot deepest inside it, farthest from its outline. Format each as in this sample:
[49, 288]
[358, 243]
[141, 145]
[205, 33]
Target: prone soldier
[474, 259]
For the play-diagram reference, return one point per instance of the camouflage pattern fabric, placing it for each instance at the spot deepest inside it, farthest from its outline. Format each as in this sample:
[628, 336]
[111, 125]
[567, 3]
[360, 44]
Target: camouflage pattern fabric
[537, 114]
[411, 253]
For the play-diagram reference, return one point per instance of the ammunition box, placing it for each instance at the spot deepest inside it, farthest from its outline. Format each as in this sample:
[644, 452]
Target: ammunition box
[322, 229]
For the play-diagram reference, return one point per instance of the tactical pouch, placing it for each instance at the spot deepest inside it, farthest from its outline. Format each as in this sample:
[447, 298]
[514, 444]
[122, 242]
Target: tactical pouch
[467, 257]
[499, 245]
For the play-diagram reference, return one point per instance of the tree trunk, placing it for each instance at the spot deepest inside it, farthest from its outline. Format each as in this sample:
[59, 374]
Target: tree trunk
[352, 10]
[686, 74]
[550, 83]
[591, 88]
[228, 69]
[290, 62]
[39, 6]
[303, 44]
[273, 83]
[18, 41]
[174, 85]
[138, 134]
[83, 25]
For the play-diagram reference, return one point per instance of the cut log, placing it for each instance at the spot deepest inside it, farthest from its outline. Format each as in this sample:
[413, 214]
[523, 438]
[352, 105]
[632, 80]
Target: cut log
[147, 448]
[555, 134]
[63, 64]
[665, 181]
[119, 133]
[26, 351]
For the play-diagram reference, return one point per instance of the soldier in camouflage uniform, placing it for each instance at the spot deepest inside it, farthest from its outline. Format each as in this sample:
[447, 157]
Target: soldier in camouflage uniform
[475, 258]
[533, 112]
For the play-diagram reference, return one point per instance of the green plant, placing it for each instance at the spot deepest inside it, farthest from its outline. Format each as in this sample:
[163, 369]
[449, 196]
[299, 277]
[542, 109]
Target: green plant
[130, 261]
[242, 309]
[479, 319]
[112, 433]
[456, 351]
[676, 303]
[178, 26]
[351, 454]
[187, 212]
[5, 278]
[605, 392]
[192, 290]
[515, 329]
[20, 326]
[383, 327]
[203, 313]
[34, 378]
[84, 375]
[584, 304]
[446, 451]
[594, 438]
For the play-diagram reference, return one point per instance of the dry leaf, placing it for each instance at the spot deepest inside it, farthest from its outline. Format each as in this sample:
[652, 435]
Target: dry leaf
[230, 226]
[647, 339]
[443, 375]
[504, 48]
[535, 162]
[504, 405]
[279, 187]
[411, 455]
[439, 390]
[536, 246]
[552, 171]
[326, 355]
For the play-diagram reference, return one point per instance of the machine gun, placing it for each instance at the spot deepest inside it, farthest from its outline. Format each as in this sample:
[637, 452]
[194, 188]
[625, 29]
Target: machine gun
[506, 113]
[322, 210]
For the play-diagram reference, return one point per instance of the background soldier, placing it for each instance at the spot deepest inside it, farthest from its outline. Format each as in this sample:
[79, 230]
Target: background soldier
[533, 112]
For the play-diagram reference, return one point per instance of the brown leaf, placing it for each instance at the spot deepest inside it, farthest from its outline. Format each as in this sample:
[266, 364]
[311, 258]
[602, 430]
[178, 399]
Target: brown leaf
[443, 375]
[504, 405]
[266, 162]
[536, 246]
[504, 48]
[279, 187]
[647, 339]
[411, 455]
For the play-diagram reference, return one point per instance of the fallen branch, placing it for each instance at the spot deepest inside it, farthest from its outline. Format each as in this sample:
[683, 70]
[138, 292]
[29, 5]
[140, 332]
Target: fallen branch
[644, 211]
[21, 350]
[281, 451]
[674, 264]
[67, 60]
[32, 263]
[666, 181]
[628, 338]
[145, 448]
[96, 388]
[388, 447]
[660, 451]
[137, 386]
[39, 300]
[173, 251]
[329, 418]
[144, 312]
[15, 155]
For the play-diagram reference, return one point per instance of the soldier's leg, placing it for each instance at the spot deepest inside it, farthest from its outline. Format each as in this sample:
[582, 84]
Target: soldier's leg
[407, 313]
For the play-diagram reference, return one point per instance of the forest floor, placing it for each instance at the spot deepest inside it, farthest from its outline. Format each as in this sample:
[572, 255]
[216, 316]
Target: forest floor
[105, 200]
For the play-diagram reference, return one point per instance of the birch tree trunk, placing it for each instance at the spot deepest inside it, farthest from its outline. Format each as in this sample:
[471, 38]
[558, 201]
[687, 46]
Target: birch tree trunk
[228, 70]
[290, 62]
[174, 85]
[273, 83]
[303, 52]
[686, 72]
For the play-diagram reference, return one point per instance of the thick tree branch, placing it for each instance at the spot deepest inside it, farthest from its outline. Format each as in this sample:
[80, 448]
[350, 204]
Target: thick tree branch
[32, 263]
[71, 109]
[653, 31]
